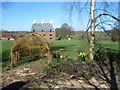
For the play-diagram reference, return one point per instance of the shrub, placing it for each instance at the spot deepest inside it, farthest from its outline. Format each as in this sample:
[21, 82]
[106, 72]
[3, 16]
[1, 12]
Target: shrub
[81, 56]
[115, 35]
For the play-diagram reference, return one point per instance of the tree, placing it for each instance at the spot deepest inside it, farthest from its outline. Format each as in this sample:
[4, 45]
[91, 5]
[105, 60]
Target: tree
[92, 39]
[65, 25]
[64, 31]
[99, 18]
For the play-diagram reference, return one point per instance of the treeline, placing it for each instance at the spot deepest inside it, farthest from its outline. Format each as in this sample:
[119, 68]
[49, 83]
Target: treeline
[66, 31]
[14, 34]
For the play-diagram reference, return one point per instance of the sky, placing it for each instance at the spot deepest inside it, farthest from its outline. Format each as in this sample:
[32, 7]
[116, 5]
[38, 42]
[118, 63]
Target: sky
[19, 16]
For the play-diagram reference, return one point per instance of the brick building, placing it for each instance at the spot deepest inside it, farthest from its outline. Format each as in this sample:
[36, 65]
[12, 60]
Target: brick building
[6, 38]
[45, 29]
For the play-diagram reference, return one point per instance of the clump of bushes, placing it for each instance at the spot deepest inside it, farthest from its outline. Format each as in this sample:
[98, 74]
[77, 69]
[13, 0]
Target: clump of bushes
[115, 35]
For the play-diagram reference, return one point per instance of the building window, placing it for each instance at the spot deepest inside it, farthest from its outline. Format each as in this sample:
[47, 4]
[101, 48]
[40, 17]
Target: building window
[43, 34]
[50, 30]
[50, 38]
[42, 30]
[50, 34]
[33, 30]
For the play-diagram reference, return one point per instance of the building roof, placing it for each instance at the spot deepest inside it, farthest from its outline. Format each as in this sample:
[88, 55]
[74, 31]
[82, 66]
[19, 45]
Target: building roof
[42, 27]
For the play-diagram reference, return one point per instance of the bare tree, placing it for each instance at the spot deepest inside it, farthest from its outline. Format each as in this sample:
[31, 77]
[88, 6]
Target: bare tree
[98, 19]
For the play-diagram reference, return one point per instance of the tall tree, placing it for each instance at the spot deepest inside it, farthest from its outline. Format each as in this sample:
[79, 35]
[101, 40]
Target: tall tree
[100, 17]
[92, 17]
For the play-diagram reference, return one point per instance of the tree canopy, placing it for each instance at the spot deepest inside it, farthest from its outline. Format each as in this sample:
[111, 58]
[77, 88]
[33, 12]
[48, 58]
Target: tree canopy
[64, 31]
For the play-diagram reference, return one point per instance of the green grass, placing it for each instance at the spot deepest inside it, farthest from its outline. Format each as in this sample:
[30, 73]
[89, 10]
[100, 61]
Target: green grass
[108, 46]
[0, 47]
[72, 48]
[6, 47]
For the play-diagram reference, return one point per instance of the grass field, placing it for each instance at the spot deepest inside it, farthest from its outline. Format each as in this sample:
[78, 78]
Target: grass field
[6, 47]
[71, 48]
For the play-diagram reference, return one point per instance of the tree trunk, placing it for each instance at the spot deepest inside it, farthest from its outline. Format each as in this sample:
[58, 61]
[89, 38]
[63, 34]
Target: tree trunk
[92, 38]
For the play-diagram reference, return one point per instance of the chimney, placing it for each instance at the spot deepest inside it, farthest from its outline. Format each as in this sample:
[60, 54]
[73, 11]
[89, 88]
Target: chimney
[51, 21]
[34, 21]
[42, 21]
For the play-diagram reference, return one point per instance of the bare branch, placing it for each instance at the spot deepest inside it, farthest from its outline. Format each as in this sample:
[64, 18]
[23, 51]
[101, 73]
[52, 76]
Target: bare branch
[87, 28]
[100, 23]
[102, 10]
[103, 29]
[80, 10]
[107, 15]
[95, 27]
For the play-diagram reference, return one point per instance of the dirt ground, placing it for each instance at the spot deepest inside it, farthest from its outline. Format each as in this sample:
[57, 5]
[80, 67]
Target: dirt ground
[33, 76]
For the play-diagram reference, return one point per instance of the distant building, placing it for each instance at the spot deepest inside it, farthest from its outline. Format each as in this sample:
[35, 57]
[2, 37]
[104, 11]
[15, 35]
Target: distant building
[45, 29]
[5, 35]
[6, 38]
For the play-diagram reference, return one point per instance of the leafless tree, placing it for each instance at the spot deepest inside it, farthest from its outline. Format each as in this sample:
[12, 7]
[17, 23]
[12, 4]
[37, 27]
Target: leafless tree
[98, 18]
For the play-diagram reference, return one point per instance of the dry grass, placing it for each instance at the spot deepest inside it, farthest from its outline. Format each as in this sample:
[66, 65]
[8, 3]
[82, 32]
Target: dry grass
[27, 44]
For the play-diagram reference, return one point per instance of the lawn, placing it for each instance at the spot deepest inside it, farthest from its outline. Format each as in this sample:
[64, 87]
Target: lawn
[71, 48]
[108, 46]
[6, 47]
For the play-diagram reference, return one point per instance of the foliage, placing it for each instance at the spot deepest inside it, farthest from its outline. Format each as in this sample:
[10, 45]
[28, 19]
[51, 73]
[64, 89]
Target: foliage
[64, 31]
[73, 67]
[15, 34]
[115, 35]
[109, 64]
[65, 25]
[82, 55]
[54, 62]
